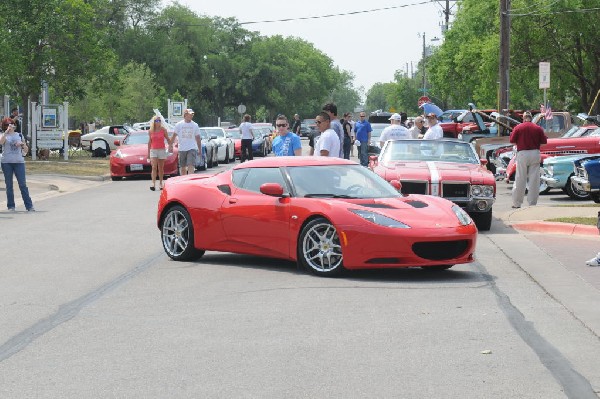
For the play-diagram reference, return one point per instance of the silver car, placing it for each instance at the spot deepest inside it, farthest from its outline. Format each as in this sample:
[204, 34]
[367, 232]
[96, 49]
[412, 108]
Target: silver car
[225, 146]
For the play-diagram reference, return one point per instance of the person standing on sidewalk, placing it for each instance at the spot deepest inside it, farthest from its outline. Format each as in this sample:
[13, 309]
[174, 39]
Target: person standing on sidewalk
[528, 137]
[13, 163]
[286, 144]
[328, 143]
[363, 131]
[347, 128]
[247, 139]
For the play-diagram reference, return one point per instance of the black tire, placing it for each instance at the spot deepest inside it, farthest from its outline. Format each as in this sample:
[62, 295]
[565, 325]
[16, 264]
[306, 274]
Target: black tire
[483, 220]
[595, 197]
[215, 159]
[116, 178]
[226, 156]
[177, 235]
[204, 165]
[574, 193]
[319, 248]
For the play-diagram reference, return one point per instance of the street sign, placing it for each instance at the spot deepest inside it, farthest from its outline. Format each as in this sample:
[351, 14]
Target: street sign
[544, 75]
[423, 100]
[241, 109]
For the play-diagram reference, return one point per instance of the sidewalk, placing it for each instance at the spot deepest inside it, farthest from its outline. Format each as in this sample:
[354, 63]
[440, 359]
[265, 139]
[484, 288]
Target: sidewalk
[532, 219]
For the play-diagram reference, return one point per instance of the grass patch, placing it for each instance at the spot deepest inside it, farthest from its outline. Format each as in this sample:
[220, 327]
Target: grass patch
[72, 167]
[575, 220]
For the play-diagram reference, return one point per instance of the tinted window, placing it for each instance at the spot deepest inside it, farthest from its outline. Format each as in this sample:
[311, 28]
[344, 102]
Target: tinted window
[256, 177]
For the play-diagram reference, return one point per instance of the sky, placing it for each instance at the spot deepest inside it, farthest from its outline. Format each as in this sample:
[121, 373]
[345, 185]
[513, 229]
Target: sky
[371, 45]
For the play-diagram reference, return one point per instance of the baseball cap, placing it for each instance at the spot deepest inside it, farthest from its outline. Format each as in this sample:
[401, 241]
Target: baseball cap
[527, 114]
[188, 111]
[396, 117]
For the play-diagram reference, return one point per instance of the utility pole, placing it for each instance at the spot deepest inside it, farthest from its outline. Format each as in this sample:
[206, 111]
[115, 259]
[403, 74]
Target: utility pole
[424, 89]
[504, 64]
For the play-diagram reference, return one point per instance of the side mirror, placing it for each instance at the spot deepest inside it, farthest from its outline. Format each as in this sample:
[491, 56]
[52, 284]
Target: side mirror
[117, 142]
[483, 161]
[272, 189]
[396, 184]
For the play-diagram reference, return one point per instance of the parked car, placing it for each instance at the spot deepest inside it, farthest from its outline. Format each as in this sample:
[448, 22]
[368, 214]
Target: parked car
[105, 137]
[259, 145]
[374, 147]
[344, 217]
[225, 147]
[269, 132]
[305, 130]
[212, 158]
[587, 176]
[131, 157]
[443, 168]
[557, 172]
[311, 124]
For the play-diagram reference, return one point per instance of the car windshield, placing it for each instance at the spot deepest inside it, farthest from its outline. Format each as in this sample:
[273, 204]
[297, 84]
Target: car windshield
[572, 131]
[448, 116]
[339, 181]
[220, 133]
[429, 150]
[136, 138]
[234, 133]
[377, 130]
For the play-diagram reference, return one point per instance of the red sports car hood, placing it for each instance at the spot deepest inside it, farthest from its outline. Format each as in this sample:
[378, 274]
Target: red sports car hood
[132, 150]
[436, 171]
[412, 210]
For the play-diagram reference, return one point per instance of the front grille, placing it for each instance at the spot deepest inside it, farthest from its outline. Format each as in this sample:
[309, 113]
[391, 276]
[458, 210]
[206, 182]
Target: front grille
[440, 250]
[414, 187]
[581, 172]
[455, 190]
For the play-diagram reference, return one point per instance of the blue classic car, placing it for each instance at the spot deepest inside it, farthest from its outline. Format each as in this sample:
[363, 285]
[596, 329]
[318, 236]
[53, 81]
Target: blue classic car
[587, 176]
[557, 172]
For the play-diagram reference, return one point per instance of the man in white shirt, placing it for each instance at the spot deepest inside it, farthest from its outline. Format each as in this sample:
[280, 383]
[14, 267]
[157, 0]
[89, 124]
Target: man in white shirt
[247, 139]
[395, 131]
[435, 131]
[328, 143]
[188, 134]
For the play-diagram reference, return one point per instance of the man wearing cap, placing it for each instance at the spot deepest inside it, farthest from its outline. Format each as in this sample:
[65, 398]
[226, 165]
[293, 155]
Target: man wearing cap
[188, 134]
[395, 131]
[528, 137]
[435, 131]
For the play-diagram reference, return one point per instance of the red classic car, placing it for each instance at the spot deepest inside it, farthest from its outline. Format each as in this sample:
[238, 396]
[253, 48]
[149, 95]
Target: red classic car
[443, 168]
[131, 157]
[585, 141]
[328, 214]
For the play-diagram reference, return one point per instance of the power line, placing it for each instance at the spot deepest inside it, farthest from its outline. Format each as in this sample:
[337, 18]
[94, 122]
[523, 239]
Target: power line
[583, 10]
[340, 14]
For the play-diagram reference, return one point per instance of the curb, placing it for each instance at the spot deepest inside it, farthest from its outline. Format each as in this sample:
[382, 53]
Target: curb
[556, 228]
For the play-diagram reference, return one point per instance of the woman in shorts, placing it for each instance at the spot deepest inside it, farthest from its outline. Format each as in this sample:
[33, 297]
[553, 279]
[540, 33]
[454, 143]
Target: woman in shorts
[157, 151]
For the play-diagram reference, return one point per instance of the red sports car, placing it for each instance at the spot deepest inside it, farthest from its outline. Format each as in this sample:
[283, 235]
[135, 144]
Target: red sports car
[328, 214]
[131, 157]
[236, 136]
[444, 168]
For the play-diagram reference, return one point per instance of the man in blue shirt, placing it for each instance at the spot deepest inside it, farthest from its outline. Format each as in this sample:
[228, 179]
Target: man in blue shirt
[286, 143]
[363, 136]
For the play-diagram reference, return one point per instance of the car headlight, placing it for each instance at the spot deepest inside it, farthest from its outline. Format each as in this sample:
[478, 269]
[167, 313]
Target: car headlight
[119, 154]
[482, 191]
[379, 219]
[463, 217]
[460, 136]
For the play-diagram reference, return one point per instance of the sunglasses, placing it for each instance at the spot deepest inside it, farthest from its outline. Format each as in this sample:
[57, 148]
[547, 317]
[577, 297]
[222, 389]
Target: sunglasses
[281, 125]
[319, 122]
[157, 120]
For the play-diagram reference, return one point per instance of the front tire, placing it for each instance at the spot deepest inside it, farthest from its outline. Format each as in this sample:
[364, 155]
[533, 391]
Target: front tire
[177, 235]
[319, 248]
[437, 268]
[483, 220]
[574, 193]
[595, 197]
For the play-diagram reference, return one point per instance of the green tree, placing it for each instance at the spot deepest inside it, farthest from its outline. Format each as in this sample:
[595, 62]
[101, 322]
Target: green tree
[54, 41]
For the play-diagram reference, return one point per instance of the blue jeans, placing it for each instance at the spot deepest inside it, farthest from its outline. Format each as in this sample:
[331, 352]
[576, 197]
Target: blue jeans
[17, 169]
[363, 154]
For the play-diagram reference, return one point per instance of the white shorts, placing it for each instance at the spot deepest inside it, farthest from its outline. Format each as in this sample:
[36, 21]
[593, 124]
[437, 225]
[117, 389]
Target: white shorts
[159, 153]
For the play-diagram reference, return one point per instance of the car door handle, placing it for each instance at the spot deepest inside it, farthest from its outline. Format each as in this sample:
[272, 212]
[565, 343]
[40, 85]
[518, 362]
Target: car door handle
[232, 200]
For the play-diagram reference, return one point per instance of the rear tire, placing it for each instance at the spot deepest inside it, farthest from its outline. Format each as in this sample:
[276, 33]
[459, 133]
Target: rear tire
[574, 193]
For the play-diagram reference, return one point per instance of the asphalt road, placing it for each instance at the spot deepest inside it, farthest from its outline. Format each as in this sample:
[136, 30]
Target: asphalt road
[92, 307]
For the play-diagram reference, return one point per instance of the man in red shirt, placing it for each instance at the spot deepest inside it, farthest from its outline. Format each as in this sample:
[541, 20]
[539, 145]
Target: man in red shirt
[528, 137]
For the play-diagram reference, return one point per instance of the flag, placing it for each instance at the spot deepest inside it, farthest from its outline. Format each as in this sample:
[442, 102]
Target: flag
[548, 112]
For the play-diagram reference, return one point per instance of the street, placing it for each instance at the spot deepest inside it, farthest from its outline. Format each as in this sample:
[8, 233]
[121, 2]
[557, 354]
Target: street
[92, 307]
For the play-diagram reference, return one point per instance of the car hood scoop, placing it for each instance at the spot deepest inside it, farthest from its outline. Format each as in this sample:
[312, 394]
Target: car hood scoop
[388, 205]
[417, 204]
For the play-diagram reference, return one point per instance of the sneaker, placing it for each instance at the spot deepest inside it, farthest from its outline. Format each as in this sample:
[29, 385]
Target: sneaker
[12, 210]
[595, 261]
[32, 209]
